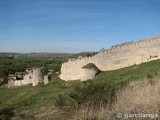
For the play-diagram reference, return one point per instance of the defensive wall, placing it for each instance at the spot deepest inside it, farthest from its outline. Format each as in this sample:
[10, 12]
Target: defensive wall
[118, 56]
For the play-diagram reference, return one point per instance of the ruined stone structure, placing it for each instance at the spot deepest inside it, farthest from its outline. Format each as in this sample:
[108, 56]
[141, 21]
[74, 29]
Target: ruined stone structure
[46, 77]
[33, 76]
[119, 56]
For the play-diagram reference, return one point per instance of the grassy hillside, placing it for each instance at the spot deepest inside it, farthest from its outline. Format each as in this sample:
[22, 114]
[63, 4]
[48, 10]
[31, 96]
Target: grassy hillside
[60, 100]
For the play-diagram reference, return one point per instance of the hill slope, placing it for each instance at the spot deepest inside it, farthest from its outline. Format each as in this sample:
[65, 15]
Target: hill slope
[60, 99]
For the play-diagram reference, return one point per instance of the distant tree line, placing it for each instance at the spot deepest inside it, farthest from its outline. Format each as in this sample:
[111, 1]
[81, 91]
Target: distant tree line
[10, 66]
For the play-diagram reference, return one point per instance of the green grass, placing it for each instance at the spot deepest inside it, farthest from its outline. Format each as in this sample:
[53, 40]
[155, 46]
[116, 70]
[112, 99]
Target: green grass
[59, 99]
[131, 73]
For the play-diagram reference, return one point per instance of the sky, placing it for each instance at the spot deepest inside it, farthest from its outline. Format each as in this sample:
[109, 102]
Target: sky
[75, 25]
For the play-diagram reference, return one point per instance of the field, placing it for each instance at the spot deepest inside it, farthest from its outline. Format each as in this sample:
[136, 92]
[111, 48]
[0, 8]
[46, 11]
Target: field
[60, 100]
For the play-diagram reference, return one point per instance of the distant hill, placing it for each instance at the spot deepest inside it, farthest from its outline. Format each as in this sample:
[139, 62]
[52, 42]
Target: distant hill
[45, 55]
[35, 55]
[8, 55]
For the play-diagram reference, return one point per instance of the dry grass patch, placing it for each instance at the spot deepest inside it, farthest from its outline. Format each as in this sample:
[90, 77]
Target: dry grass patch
[142, 96]
[137, 97]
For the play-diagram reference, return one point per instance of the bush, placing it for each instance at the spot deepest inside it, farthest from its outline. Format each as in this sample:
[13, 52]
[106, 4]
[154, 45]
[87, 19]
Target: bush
[150, 76]
[65, 103]
[94, 94]
[6, 114]
[60, 102]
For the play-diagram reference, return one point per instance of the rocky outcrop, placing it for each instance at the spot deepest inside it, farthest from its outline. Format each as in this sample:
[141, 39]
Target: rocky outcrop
[118, 56]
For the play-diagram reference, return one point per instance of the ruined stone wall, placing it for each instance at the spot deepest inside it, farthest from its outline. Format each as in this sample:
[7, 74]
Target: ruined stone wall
[119, 56]
[26, 80]
[88, 74]
[32, 77]
[46, 81]
[37, 77]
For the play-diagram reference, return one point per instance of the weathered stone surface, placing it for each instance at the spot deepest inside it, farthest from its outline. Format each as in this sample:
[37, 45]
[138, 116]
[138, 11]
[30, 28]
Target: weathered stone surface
[37, 77]
[11, 83]
[33, 77]
[119, 56]
[46, 79]
[88, 73]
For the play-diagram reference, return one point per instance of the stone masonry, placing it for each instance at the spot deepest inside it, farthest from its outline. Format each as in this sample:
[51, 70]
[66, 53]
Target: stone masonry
[119, 56]
[33, 76]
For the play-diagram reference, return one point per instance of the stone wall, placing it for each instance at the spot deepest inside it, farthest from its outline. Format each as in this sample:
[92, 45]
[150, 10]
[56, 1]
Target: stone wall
[33, 77]
[119, 56]
[37, 77]
[46, 79]
[88, 74]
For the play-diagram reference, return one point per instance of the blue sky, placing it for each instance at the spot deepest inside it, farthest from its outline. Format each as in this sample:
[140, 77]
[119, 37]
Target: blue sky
[75, 25]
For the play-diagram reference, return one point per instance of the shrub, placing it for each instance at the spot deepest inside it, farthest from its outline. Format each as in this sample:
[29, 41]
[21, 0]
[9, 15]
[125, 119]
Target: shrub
[6, 114]
[60, 102]
[150, 76]
[94, 94]
[65, 103]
